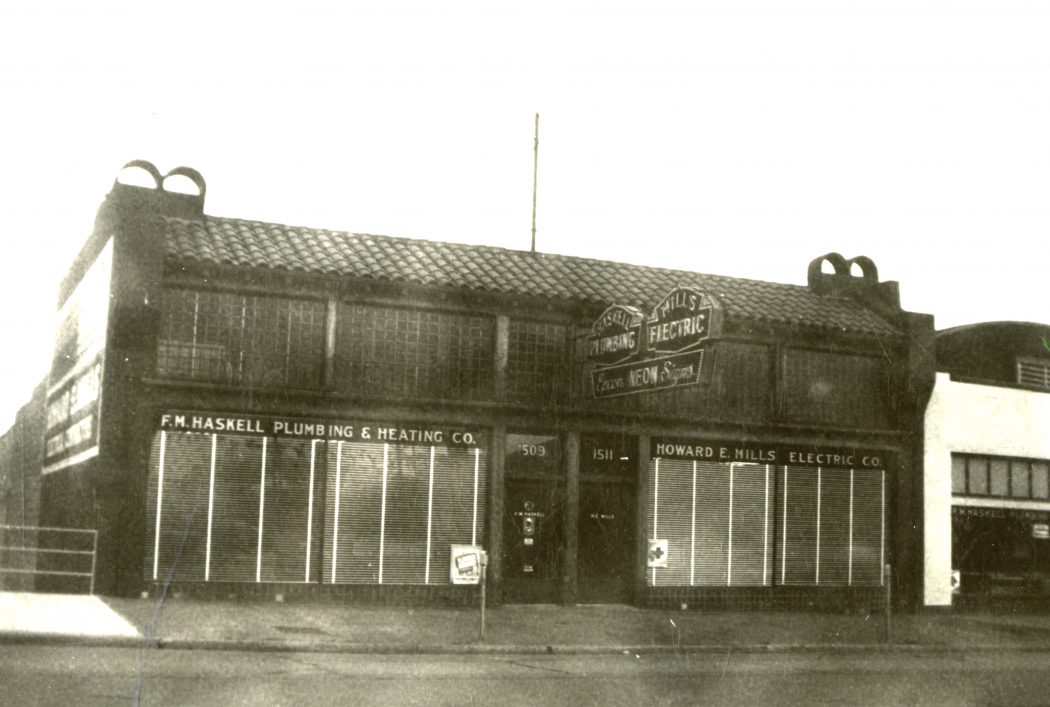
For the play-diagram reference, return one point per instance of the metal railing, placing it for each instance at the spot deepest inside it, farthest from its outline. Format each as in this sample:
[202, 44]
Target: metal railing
[35, 549]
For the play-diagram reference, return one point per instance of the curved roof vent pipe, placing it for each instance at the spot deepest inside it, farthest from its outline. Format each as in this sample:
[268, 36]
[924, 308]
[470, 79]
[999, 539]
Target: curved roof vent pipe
[139, 185]
[856, 277]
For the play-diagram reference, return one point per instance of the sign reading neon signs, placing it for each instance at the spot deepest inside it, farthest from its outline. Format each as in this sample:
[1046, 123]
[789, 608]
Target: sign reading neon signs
[634, 356]
[650, 374]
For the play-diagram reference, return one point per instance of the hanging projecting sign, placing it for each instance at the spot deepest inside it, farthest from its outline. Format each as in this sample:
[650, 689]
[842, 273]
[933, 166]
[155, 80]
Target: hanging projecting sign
[632, 354]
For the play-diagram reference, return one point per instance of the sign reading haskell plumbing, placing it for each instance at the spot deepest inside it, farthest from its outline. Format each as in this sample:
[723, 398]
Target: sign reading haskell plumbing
[345, 430]
[633, 353]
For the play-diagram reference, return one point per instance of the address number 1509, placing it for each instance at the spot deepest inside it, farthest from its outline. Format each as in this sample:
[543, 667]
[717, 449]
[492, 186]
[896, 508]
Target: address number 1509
[532, 450]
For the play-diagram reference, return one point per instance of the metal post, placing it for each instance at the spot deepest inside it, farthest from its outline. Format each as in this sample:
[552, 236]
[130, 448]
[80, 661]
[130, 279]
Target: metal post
[889, 599]
[484, 571]
[94, 555]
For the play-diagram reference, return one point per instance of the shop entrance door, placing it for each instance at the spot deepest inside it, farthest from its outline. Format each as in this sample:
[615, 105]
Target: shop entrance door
[606, 527]
[533, 509]
[606, 542]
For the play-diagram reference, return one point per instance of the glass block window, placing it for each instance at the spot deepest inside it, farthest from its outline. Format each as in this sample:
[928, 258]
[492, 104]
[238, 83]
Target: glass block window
[241, 339]
[538, 362]
[424, 353]
[999, 477]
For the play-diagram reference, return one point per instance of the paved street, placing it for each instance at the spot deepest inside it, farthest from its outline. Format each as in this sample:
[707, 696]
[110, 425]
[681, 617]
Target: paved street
[54, 675]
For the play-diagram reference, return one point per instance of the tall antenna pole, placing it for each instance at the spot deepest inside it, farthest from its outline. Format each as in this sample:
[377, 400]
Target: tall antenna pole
[535, 167]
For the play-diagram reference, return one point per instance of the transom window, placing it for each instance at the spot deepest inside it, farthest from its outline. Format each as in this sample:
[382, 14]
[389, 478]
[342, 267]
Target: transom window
[241, 339]
[390, 350]
[538, 363]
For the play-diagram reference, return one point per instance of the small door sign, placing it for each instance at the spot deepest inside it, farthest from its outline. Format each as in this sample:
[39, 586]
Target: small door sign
[657, 553]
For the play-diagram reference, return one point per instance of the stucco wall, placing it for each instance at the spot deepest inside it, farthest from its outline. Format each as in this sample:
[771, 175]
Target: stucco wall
[979, 419]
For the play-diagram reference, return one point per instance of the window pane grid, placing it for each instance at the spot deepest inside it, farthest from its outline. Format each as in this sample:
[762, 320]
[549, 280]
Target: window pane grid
[240, 339]
[538, 364]
[385, 350]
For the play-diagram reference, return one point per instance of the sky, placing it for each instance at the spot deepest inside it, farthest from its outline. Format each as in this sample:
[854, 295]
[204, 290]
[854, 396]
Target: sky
[740, 138]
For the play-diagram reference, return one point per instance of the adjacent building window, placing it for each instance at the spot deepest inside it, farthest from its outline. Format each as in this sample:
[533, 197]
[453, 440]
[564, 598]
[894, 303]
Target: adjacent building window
[538, 362]
[1034, 372]
[241, 339]
[414, 352]
[1000, 477]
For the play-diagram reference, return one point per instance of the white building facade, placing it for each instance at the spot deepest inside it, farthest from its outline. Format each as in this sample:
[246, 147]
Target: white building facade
[986, 466]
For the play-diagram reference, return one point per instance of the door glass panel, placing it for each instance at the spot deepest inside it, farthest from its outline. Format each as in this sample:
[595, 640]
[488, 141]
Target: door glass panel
[532, 518]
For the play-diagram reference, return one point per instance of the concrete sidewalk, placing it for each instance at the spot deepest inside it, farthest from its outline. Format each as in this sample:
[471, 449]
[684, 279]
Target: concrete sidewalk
[322, 627]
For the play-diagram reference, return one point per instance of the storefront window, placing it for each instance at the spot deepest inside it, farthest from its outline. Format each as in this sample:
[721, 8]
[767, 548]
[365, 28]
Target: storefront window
[717, 519]
[273, 507]
[734, 524]
[394, 510]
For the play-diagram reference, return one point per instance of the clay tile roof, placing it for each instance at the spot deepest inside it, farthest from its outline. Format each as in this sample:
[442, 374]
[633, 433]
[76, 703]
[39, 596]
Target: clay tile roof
[225, 241]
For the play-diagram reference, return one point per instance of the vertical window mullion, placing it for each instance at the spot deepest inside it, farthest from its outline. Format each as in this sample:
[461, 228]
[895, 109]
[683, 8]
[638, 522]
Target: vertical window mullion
[288, 347]
[211, 507]
[240, 347]
[849, 575]
[729, 534]
[193, 348]
[784, 529]
[474, 517]
[310, 509]
[382, 509]
[765, 532]
[430, 516]
[882, 526]
[262, 509]
[335, 514]
[692, 533]
[656, 505]
[816, 576]
[160, 498]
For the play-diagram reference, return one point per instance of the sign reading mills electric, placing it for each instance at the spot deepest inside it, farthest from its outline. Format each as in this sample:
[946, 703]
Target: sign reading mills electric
[632, 353]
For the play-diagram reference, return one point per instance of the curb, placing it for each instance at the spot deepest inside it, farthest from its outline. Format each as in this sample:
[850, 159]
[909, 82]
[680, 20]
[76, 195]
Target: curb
[264, 646]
